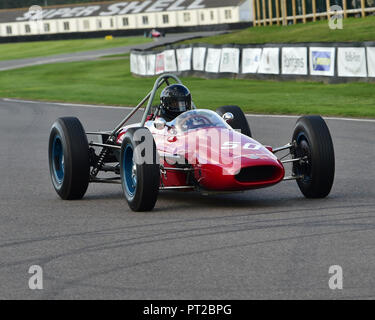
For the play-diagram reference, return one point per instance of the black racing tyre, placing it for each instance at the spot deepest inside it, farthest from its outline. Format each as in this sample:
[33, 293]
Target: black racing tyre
[313, 141]
[239, 121]
[140, 169]
[68, 154]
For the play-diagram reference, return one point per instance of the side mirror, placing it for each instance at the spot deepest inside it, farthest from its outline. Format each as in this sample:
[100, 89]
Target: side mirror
[228, 116]
[160, 124]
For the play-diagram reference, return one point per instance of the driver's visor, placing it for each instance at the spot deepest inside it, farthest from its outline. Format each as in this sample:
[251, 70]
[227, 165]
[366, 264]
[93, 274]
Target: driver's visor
[180, 105]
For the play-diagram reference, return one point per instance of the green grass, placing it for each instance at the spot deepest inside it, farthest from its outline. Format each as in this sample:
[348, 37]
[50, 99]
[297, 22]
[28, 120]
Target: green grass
[355, 29]
[22, 50]
[110, 82]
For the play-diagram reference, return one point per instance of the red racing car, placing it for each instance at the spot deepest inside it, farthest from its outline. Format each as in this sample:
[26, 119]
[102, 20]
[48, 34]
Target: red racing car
[155, 34]
[179, 147]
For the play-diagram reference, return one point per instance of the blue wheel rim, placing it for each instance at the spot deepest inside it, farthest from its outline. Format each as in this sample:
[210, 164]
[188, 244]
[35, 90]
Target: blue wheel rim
[58, 165]
[130, 171]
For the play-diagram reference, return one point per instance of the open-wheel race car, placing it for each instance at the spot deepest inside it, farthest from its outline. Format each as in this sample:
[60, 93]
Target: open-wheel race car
[155, 34]
[179, 147]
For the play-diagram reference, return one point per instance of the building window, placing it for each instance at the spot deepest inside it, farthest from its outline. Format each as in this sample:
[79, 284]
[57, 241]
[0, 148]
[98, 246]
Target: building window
[9, 30]
[46, 27]
[186, 16]
[125, 21]
[145, 20]
[27, 28]
[112, 24]
[86, 24]
[66, 26]
[228, 14]
[99, 24]
[202, 16]
[165, 18]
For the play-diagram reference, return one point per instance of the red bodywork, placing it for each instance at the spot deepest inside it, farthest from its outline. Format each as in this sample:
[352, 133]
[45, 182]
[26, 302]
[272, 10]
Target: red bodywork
[155, 34]
[220, 159]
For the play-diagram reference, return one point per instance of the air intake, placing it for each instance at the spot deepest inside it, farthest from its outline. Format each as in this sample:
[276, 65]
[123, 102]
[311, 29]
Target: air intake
[258, 174]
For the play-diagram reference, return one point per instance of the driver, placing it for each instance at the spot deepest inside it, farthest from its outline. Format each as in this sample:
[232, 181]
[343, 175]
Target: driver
[175, 100]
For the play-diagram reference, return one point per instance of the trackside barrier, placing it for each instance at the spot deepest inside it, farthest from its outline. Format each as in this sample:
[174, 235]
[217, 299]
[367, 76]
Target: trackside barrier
[329, 62]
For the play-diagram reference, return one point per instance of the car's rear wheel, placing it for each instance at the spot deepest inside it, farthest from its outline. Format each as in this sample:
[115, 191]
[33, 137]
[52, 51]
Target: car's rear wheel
[239, 122]
[69, 158]
[314, 144]
[140, 169]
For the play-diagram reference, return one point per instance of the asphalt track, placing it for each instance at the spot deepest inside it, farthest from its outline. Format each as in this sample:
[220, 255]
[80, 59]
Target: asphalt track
[264, 244]
[95, 54]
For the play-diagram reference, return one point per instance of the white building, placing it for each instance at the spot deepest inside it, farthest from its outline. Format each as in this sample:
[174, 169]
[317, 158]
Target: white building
[124, 15]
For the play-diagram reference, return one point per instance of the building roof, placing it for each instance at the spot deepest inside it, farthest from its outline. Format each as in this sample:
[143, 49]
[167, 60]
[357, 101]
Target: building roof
[110, 9]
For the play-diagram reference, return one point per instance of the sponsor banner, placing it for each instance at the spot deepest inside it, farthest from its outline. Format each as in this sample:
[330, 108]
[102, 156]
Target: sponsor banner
[351, 62]
[150, 68]
[371, 61]
[322, 61]
[134, 63]
[251, 59]
[294, 61]
[170, 64]
[199, 55]
[269, 61]
[230, 60]
[159, 63]
[213, 60]
[184, 59]
[142, 65]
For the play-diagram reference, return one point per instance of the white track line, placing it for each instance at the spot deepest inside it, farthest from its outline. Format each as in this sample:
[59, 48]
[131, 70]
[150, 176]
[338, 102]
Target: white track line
[296, 117]
[49, 61]
[129, 108]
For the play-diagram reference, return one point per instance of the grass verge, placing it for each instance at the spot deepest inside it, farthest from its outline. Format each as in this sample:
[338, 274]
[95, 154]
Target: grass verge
[110, 82]
[23, 50]
[354, 29]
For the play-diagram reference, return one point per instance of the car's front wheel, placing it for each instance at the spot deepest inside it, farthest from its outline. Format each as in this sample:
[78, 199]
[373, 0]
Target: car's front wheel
[313, 143]
[140, 169]
[68, 154]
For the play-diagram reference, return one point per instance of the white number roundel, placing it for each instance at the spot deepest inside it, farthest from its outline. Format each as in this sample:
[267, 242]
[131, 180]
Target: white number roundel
[233, 145]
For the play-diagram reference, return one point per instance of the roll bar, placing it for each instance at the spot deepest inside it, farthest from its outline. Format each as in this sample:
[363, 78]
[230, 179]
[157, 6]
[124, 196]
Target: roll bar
[150, 98]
